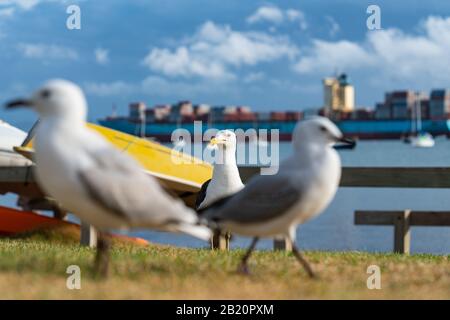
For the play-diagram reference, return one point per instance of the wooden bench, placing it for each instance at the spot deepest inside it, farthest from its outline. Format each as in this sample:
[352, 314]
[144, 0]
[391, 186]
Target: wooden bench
[402, 221]
[395, 177]
[388, 177]
[20, 180]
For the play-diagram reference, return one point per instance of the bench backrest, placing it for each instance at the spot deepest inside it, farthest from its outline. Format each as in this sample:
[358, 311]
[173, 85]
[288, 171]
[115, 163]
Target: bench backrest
[383, 177]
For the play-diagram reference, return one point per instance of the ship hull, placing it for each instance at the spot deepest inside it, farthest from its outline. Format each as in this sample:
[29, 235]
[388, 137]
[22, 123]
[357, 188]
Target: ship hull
[359, 129]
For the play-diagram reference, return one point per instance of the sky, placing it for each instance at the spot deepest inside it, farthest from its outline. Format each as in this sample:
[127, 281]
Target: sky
[270, 55]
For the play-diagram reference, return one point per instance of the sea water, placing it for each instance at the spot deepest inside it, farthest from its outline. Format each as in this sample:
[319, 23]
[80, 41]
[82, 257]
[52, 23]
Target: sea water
[334, 229]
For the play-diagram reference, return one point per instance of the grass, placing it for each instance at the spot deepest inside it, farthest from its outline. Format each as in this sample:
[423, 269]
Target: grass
[33, 266]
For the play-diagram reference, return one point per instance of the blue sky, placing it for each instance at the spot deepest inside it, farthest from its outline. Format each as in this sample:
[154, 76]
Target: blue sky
[269, 55]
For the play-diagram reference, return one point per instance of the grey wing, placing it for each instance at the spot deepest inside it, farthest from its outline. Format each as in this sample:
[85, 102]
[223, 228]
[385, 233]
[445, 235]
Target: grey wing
[120, 186]
[262, 199]
[202, 194]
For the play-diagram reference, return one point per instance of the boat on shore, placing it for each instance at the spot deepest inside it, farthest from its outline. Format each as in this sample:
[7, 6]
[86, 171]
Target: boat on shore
[10, 137]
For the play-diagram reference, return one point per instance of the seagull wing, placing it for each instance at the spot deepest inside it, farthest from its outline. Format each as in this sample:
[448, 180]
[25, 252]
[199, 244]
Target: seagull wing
[120, 186]
[262, 199]
[202, 194]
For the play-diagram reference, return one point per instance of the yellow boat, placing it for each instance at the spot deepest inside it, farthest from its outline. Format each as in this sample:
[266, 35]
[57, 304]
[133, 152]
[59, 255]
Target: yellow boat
[184, 176]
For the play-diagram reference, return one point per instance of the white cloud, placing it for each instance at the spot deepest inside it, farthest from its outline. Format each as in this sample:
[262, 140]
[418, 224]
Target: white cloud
[30, 4]
[273, 14]
[390, 53]
[215, 50]
[267, 13]
[155, 86]
[182, 62]
[334, 26]
[23, 4]
[109, 89]
[101, 56]
[326, 56]
[45, 51]
[297, 15]
[7, 12]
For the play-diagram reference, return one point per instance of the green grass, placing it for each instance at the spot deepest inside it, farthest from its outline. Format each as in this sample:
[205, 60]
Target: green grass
[34, 267]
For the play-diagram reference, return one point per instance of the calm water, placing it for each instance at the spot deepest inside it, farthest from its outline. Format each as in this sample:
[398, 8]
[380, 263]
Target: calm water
[334, 229]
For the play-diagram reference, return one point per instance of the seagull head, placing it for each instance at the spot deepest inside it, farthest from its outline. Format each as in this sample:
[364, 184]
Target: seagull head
[56, 98]
[224, 139]
[317, 131]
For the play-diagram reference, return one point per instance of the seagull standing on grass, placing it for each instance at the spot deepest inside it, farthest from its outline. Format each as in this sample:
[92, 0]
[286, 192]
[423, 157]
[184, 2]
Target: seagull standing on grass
[225, 180]
[273, 206]
[89, 177]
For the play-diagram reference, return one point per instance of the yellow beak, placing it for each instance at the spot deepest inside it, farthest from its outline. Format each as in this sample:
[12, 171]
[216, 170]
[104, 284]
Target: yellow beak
[213, 141]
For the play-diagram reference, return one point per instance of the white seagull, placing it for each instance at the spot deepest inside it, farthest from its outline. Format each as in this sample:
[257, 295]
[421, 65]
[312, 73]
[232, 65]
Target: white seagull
[225, 180]
[89, 177]
[273, 206]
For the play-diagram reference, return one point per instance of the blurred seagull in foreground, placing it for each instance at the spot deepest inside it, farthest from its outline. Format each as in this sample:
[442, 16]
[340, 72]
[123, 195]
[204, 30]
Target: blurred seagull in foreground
[225, 180]
[92, 179]
[273, 206]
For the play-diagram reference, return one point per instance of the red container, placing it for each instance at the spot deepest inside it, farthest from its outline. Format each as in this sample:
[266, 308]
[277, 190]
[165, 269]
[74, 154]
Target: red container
[230, 117]
[293, 115]
[188, 118]
[278, 116]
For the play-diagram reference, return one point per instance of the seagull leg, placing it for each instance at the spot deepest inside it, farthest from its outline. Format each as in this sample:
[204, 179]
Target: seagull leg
[302, 261]
[243, 267]
[102, 257]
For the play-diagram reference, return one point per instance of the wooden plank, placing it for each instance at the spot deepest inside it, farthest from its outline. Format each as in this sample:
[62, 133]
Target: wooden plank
[282, 244]
[220, 241]
[417, 218]
[430, 218]
[16, 174]
[402, 233]
[19, 180]
[396, 177]
[383, 177]
[380, 218]
[88, 235]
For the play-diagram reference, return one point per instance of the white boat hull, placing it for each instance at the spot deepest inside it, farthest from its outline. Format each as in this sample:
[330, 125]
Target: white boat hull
[11, 137]
[426, 141]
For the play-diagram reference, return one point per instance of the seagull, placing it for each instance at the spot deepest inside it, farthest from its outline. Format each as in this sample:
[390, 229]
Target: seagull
[94, 180]
[225, 180]
[274, 205]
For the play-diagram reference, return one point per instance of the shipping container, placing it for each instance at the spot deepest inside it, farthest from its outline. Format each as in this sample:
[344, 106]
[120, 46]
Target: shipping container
[137, 110]
[293, 115]
[202, 109]
[399, 112]
[278, 116]
[263, 116]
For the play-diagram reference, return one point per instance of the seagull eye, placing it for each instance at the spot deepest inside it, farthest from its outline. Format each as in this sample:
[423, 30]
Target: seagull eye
[45, 94]
[323, 129]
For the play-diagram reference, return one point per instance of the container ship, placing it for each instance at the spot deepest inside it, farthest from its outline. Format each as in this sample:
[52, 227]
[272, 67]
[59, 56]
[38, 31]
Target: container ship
[365, 127]
[394, 118]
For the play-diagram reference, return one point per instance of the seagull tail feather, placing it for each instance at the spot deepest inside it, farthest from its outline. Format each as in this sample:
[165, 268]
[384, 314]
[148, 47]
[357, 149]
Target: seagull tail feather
[197, 231]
